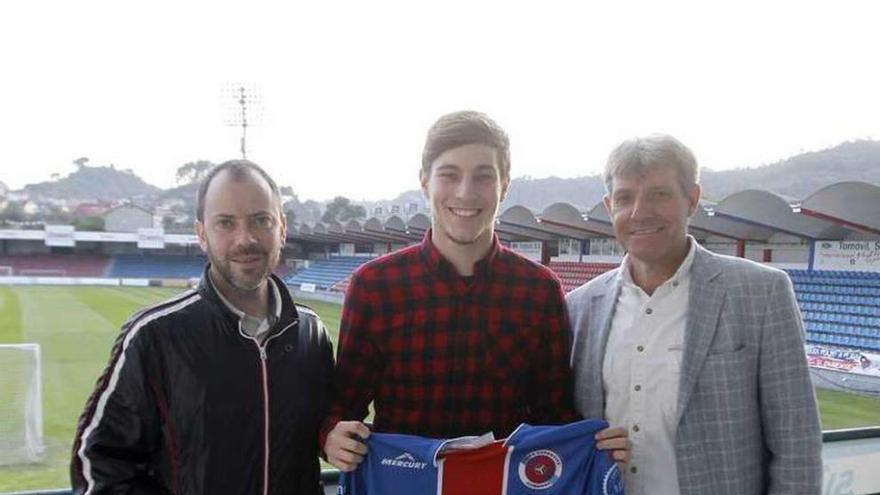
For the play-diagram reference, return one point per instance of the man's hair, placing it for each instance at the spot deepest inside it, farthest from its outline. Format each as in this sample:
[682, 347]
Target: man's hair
[462, 128]
[239, 170]
[641, 154]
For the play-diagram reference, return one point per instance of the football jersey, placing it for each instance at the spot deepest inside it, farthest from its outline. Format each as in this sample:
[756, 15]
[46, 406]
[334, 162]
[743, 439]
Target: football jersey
[551, 460]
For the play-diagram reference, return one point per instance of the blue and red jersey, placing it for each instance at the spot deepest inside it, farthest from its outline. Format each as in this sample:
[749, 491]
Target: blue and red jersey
[551, 460]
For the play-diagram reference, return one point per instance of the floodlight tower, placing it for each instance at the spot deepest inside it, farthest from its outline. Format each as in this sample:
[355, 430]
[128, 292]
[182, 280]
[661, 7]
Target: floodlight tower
[244, 110]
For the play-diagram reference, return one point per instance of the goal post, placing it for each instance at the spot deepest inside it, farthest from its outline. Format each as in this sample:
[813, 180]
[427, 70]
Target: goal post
[21, 409]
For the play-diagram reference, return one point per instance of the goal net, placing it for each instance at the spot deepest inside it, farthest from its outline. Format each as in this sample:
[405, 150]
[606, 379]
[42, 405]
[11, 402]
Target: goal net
[6, 271]
[21, 408]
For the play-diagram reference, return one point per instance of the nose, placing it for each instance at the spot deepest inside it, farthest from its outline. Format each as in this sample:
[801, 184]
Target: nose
[244, 235]
[465, 187]
[640, 208]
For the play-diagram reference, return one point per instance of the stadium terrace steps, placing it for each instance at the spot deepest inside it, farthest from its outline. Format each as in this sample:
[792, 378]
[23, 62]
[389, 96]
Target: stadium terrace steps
[325, 274]
[573, 274]
[157, 266]
[342, 285]
[840, 308]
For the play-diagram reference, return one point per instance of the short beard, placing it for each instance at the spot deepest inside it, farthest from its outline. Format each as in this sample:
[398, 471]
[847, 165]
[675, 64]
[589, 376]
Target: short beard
[224, 271]
[226, 275]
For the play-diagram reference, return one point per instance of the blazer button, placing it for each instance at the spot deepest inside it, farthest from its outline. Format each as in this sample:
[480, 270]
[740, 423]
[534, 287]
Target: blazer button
[633, 470]
[649, 311]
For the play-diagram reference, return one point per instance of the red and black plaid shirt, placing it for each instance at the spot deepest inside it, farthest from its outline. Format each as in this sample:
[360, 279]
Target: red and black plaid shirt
[443, 355]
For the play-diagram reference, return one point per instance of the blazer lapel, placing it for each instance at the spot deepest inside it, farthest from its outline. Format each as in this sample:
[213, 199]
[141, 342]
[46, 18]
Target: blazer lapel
[604, 304]
[705, 300]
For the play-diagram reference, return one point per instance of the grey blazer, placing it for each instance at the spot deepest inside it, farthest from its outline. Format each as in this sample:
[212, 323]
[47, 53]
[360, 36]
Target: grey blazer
[747, 417]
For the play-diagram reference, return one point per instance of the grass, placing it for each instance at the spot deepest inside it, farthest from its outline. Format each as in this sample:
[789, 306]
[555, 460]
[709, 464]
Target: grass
[845, 410]
[10, 317]
[76, 326]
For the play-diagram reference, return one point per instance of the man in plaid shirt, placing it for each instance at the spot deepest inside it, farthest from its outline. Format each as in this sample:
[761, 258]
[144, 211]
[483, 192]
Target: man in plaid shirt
[457, 335]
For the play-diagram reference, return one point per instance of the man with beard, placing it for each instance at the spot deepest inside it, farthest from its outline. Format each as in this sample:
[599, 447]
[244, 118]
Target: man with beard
[220, 389]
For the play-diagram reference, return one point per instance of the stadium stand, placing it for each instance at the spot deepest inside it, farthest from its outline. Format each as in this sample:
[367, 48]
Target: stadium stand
[282, 270]
[342, 285]
[57, 265]
[574, 274]
[327, 273]
[840, 308]
[156, 266]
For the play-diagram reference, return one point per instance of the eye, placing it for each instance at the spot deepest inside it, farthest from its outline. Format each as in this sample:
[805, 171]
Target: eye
[264, 222]
[225, 223]
[622, 199]
[486, 177]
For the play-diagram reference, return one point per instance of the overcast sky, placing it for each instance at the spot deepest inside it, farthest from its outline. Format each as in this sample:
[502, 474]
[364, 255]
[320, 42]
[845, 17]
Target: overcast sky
[348, 89]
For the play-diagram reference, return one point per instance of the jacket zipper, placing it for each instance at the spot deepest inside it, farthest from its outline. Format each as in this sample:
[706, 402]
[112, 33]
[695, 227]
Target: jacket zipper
[265, 379]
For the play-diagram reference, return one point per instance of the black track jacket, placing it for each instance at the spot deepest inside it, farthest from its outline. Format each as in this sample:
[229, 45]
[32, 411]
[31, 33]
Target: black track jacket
[190, 405]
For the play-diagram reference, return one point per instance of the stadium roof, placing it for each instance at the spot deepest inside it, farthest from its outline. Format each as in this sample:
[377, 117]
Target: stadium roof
[854, 205]
[845, 210]
[832, 212]
[765, 210]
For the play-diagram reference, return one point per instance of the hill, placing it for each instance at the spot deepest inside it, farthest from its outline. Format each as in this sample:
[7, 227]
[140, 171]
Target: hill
[797, 176]
[94, 183]
[801, 175]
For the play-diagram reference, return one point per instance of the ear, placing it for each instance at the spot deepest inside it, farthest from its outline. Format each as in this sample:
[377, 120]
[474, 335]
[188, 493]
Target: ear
[423, 180]
[283, 229]
[694, 199]
[199, 229]
[505, 185]
[606, 200]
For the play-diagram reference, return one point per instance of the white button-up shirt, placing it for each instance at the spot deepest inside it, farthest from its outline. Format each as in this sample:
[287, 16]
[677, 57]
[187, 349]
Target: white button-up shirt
[641, 373]
[253, 326]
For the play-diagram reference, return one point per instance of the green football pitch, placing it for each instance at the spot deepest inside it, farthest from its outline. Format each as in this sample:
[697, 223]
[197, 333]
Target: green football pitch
[75, 327]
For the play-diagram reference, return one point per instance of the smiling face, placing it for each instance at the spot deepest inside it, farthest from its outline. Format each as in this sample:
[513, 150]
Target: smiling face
[242, 232]
[650, 212]
[465, 187]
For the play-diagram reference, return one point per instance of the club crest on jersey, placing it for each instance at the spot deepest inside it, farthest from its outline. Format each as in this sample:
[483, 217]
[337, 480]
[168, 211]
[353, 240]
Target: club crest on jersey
[612, 482]
[540, 469]
[404, 460]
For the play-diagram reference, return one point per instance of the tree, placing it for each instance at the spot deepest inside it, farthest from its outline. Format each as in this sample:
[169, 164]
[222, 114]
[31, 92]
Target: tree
[342, 210]
[81, 162]
[56, 215]
[89, 223]
[308, 211]
[14, 212]
[191, 172]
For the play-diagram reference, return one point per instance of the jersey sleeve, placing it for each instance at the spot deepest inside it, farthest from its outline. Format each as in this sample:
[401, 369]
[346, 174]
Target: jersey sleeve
[561, 460]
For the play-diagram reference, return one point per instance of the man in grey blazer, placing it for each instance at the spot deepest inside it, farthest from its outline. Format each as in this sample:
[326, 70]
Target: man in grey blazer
[700, 356]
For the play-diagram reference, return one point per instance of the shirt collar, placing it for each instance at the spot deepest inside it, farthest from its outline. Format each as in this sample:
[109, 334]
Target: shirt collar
[274, 303]
[678, 277]
[443, 268]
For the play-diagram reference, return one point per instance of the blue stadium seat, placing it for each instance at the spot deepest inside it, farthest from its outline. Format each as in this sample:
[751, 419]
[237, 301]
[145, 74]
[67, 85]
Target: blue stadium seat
[156, 266]
[326, 273]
